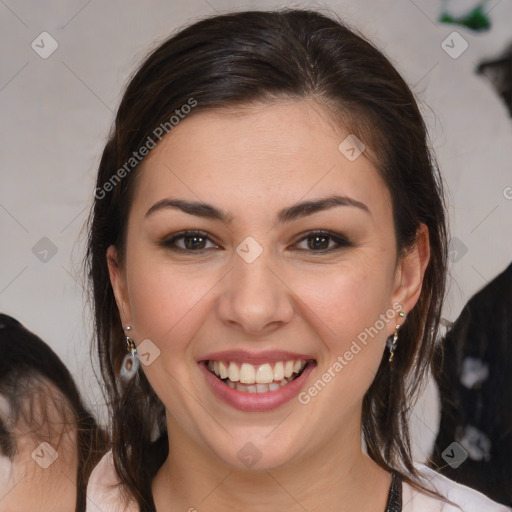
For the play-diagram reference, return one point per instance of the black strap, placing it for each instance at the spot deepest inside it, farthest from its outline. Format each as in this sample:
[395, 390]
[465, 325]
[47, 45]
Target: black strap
[394, 503]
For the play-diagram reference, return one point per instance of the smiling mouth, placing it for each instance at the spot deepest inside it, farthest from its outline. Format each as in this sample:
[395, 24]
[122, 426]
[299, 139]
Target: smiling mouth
[263, 378]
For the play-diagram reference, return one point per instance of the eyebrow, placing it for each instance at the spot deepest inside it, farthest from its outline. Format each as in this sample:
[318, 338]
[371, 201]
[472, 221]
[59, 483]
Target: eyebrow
[287, 214]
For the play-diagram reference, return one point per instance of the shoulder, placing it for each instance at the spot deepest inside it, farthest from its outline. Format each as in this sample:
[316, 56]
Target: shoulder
[467, 499]
[103, 489]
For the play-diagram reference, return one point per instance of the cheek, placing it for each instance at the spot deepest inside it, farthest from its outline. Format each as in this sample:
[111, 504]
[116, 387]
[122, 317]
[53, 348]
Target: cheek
[160, 297]
[167, 302]
[345, 310]
[347, 299]
[351, 313]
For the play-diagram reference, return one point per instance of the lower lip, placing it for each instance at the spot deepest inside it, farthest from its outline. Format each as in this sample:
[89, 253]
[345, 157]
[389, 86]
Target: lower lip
[256, 402]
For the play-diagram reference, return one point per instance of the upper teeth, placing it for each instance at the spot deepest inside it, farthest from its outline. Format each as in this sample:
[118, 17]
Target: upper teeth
[247, 373]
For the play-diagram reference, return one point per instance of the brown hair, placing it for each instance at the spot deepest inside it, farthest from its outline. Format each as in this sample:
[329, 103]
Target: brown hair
[238, 59]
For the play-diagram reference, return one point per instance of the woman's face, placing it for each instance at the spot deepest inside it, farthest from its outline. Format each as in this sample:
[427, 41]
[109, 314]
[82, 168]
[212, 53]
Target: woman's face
[257, 287]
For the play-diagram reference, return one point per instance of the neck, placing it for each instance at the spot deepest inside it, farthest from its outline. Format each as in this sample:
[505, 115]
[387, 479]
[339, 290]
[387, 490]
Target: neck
[334, 476]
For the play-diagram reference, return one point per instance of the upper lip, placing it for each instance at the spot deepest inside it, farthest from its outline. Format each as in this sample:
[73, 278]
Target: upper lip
[245, 356]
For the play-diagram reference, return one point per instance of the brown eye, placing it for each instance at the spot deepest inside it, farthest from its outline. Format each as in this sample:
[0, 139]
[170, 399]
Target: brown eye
[320, 241]
[194, 242]
[188, 241]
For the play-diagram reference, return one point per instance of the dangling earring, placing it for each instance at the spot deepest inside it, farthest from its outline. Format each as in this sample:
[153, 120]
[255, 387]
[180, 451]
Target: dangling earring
[130, 364]
[130, 345]
[392, 344]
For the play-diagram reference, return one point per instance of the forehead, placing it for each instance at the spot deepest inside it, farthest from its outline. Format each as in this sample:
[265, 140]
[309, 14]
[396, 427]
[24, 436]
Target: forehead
[270, 153]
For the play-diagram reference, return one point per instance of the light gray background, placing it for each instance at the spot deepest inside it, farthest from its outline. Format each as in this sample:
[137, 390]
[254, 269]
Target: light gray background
[56, 114]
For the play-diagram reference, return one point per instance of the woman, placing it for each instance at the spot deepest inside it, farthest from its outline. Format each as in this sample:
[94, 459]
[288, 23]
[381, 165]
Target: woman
[268, 241]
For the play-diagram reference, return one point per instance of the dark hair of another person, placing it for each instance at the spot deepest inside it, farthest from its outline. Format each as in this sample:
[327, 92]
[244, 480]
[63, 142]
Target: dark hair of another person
[248, 58]
[478, 345]
[29, 369]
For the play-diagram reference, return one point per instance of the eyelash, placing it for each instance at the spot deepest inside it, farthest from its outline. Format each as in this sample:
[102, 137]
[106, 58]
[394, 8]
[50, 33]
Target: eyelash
[339, 239]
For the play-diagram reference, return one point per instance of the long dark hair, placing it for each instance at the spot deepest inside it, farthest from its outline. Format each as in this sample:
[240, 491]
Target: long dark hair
[237, 59]
[31, 371]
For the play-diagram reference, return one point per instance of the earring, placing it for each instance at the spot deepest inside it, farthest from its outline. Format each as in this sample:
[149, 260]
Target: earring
[130, 364]
[130, 345]
[392, 344]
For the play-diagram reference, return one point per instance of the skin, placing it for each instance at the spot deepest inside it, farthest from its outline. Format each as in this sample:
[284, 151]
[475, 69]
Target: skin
[252, 162]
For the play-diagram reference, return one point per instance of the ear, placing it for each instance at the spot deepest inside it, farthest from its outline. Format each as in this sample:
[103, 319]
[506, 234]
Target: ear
[411, 270]
[118, 282]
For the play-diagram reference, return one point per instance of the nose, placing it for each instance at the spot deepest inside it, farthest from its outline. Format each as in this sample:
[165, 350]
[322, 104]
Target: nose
[254, 297]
